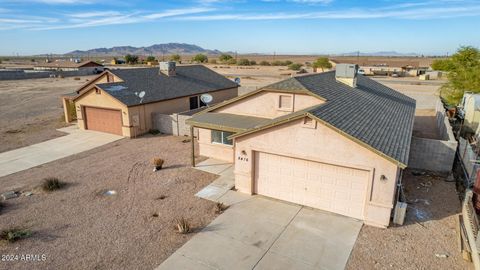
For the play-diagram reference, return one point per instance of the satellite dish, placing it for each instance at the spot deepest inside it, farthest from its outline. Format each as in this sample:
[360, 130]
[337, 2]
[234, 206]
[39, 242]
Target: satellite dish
[237, 80]
[206, 98]
[141, 94]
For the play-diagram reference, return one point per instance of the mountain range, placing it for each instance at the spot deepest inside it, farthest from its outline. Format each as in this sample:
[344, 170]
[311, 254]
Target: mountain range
[157, 49]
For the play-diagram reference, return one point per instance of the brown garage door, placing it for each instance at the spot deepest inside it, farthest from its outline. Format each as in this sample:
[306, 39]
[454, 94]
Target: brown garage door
[325, 186]
[104, 120]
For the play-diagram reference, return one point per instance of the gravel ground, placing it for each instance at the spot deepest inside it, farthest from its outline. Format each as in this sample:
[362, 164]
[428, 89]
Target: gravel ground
[31, 110]
[429, 230]
[78, 228]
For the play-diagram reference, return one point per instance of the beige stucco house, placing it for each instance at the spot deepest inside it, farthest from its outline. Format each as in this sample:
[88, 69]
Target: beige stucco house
[335, 141]
[122, 101]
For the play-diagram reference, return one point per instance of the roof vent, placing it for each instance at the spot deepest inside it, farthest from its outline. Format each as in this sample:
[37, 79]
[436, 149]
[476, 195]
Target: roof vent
[168, 68]
[347, 74]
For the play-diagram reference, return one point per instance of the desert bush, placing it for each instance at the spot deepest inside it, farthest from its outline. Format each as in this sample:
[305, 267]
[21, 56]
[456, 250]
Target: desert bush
[232, 61]
[295, 66]
[176, 58]
[52, 184]
[253, 62]
[158, 163]
[14, 234]
[243, 62]
[220, 207]
[151, 59]
[224, 58]
[183, 226]
[264, 63]
[200, 58]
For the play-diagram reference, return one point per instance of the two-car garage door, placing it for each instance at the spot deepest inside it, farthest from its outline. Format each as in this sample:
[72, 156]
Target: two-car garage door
[325, 186]
[104, 120]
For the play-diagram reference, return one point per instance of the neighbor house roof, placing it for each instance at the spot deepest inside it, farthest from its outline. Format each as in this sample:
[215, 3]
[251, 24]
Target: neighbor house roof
[68, 64]
[189, 80]
[371, 114]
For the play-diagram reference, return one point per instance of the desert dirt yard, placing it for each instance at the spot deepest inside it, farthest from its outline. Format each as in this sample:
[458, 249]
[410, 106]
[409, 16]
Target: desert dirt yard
[78, 227]
[427, 240]
[31, 110]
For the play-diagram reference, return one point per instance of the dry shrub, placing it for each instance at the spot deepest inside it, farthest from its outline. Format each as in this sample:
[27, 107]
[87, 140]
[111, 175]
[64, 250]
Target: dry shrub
[13, 235]
[183, 226]
[52, 184]
[220, 207]
[157, 162]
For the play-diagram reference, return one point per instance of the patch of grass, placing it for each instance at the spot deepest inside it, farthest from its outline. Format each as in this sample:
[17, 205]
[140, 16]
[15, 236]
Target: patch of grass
[183, 226]
[52, 184]
[220, 207]
[14, 234]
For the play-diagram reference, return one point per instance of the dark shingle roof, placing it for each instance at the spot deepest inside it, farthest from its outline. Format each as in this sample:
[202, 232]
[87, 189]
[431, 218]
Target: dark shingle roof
[371, 113]
[227, 121]
[189, 80]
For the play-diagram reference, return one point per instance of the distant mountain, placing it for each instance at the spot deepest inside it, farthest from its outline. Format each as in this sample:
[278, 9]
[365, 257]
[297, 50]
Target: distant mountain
[386, 53]
[157, 49]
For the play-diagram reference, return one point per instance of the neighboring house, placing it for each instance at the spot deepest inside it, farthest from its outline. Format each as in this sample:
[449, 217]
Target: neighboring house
[387, 66]
[88, 66]
[332, 141]
[122, 101]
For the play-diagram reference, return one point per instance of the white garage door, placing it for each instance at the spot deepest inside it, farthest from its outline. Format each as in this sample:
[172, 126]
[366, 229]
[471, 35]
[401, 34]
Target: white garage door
[325, 186]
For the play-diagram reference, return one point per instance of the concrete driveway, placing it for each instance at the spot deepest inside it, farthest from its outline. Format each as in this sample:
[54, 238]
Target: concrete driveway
[261, 233]
[31, 156]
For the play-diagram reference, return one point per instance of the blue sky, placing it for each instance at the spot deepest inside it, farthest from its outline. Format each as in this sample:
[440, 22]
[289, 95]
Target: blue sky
[266, 26]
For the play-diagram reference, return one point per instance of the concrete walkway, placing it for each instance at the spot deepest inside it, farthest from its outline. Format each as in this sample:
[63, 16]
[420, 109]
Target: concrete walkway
[261, 233]
[222, 186]
[31, 156]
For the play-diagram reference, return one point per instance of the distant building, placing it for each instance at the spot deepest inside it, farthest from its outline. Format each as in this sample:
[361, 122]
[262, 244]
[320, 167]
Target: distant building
[87, 66]
[386, 66]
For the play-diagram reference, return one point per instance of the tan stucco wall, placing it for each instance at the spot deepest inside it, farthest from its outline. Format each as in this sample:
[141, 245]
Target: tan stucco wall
[213, 150]
[172, 106]
[321, 144]
[265, 104]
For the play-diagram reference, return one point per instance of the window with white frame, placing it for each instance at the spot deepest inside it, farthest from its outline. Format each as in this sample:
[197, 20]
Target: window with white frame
[221, 137]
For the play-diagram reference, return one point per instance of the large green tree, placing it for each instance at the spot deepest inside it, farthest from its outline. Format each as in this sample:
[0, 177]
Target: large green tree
[131, 59]
[322, 62]
[224, 58]
[200, 58]
[463, 74]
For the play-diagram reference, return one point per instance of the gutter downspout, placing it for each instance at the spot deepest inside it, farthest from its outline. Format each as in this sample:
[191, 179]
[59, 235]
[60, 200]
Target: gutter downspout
[193, 146]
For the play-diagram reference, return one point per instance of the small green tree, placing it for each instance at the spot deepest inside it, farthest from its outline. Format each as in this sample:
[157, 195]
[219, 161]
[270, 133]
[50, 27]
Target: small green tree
[131, 59]
[224, 58]
[295, 66]
[442, 64]
[243, 62]
[264, 63]
[287, 63]
[151, 59]
[253, 62]
[322, 62]
[200, 58]
[463, 75]
[176, 58]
